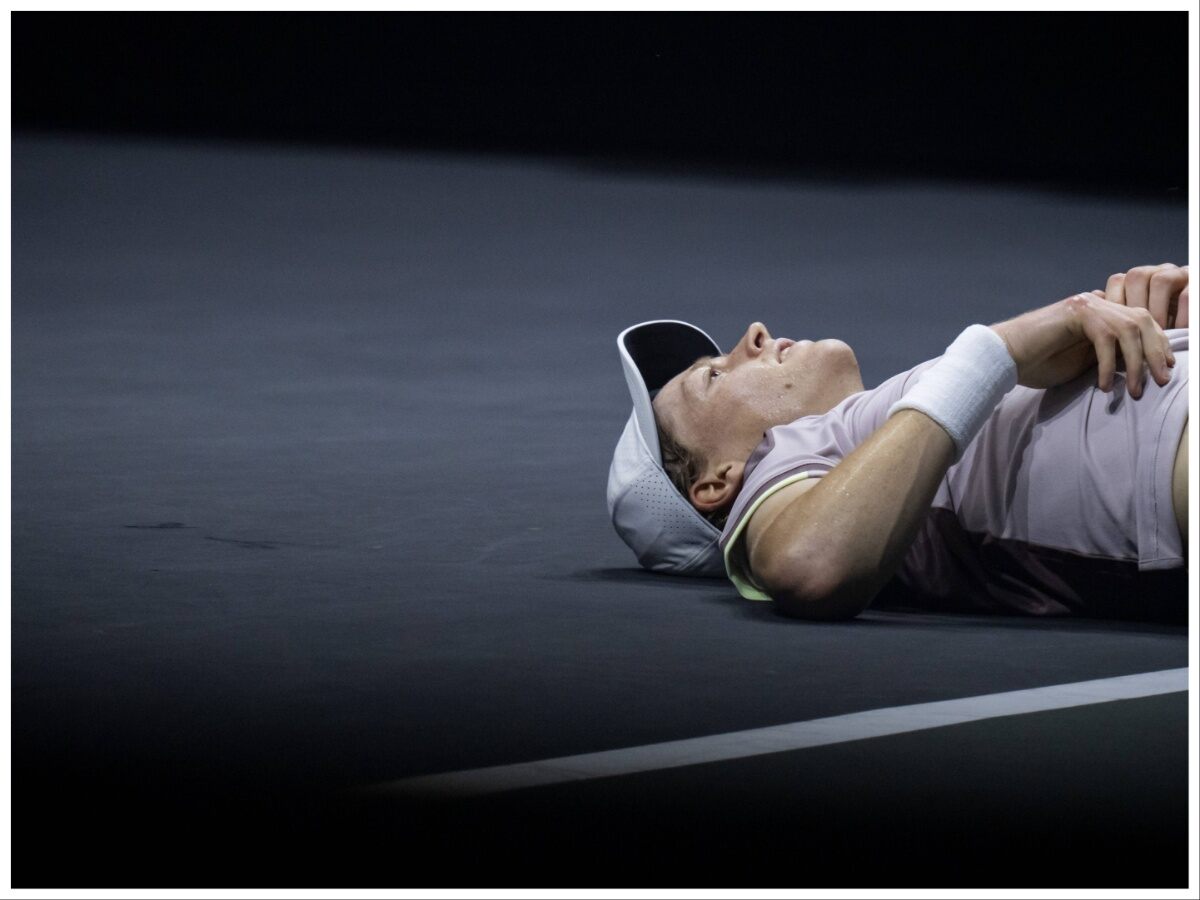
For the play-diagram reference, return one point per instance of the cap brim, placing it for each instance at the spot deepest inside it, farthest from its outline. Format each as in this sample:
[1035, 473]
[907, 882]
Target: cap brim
[652, 353]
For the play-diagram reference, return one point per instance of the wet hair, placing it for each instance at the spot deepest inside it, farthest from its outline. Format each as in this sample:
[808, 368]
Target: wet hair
[683, 467]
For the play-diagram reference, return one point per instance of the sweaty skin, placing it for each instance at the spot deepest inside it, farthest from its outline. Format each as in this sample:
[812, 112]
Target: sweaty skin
[871, 503]
[720, 406]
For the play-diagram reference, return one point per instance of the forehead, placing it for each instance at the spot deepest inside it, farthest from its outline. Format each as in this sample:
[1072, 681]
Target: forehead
[680, 393]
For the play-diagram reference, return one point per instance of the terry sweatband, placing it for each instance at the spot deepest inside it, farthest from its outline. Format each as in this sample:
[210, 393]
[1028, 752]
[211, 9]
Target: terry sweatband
[962, 388]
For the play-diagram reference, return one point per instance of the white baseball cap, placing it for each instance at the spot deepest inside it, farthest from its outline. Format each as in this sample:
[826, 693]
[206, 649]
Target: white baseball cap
[659, 524]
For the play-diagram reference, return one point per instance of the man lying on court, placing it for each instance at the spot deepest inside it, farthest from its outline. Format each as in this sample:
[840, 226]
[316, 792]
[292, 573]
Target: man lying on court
[1022, 471]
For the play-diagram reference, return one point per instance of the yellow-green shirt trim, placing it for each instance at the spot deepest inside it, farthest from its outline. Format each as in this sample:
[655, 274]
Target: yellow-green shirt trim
[734, 560]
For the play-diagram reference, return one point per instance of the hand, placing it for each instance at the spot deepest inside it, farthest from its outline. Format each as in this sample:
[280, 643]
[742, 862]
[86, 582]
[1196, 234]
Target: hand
[1162, 289]
[1059, 342]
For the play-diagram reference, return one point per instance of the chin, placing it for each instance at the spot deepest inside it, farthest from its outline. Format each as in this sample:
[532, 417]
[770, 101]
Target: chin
[837, 355]
[833, 345]
[841, 366]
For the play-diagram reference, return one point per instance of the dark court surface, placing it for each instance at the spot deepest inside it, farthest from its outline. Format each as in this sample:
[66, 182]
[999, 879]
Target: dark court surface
[308, 462]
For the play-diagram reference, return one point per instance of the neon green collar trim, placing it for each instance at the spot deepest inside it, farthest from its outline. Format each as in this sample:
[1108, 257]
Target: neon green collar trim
[741, 580]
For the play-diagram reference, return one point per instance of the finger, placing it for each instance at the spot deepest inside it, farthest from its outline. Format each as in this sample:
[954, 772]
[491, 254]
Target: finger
[1164, 287]
[1137, 286]
[1156, 348]
[1129, 336]
[1177, 316]
[1106, 358]
[1115, 289]
[1099, 331]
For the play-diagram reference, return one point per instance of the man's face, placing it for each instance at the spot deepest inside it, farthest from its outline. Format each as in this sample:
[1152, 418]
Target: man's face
[721, 405]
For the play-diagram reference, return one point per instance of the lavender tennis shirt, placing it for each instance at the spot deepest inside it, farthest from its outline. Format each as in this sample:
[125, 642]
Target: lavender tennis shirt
[1061, 504]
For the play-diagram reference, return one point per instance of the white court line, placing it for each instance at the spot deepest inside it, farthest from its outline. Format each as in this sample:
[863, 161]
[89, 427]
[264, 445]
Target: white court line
[780, 738]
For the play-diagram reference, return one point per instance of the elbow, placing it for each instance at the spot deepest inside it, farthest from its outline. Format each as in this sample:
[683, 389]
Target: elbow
[818, 591]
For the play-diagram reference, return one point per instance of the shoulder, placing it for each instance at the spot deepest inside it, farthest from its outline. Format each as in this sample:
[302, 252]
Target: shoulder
[750, 544]
[761, 540]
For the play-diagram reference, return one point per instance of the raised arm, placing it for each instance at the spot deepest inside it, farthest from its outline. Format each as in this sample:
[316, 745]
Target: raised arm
[823, 548]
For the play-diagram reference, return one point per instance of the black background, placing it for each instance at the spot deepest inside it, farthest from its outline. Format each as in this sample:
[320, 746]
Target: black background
[309, 449]
[1086, 99]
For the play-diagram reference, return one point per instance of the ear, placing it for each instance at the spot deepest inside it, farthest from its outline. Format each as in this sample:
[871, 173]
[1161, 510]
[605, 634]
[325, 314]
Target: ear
[717, 486]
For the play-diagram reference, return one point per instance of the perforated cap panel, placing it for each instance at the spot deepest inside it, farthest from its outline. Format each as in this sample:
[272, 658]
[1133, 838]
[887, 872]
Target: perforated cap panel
[664, 531]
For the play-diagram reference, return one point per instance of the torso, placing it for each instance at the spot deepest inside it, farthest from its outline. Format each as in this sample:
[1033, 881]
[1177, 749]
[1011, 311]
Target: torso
[1057, 481]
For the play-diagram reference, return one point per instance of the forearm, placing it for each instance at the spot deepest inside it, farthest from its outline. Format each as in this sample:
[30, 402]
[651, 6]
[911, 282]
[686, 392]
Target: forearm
[837, 544]
[824, 549]
[831, 554]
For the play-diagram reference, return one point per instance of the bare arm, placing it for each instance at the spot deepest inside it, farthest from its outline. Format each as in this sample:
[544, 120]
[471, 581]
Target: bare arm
[869, 507]
[823, 548]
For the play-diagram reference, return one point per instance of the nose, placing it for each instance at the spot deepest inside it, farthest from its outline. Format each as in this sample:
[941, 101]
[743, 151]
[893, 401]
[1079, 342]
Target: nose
[754, 341]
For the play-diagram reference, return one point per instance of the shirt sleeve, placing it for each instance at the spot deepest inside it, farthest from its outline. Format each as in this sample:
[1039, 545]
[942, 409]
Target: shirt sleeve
[737, 563]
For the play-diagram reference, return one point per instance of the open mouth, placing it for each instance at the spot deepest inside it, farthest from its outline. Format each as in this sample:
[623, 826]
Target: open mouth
[782, 346]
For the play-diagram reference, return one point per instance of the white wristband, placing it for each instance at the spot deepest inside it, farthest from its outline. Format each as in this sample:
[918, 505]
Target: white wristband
[962, 388]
